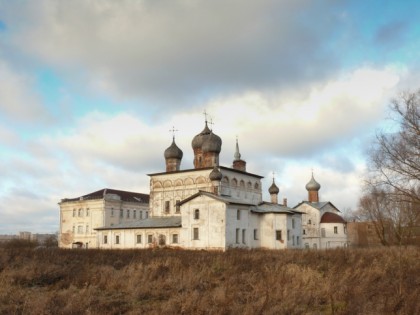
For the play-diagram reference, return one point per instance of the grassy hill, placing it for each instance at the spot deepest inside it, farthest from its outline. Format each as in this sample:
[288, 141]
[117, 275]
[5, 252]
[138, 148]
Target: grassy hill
[164, 281]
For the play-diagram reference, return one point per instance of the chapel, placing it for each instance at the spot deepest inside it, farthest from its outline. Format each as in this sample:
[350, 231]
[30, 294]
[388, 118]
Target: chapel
[208, 206]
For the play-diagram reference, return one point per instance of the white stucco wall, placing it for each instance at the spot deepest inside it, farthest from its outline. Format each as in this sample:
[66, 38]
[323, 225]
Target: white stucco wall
[211, 223]
[128, 238]
[332, 239]
[101, 212]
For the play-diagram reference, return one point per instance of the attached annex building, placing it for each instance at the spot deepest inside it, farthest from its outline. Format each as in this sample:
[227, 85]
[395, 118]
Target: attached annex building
[207, 207]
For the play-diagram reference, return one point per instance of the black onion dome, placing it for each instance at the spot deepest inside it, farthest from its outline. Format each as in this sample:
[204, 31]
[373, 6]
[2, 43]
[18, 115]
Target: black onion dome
[173, 152]
[213, 143]
[198, 140]
[313, 184]
[273, 189]
[215, 174]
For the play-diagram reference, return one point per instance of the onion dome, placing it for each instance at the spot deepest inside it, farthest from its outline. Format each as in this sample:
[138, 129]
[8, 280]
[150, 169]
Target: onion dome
[330, 217]
[213, 143]
[313, 184]
[198, 140]
[215, 174]
[273, 190]
[173, 152]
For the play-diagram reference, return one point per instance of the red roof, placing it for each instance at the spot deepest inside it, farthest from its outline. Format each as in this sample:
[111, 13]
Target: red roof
[330, 217]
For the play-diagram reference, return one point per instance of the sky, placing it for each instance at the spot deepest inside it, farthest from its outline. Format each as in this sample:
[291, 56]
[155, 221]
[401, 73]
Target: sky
[90, 89]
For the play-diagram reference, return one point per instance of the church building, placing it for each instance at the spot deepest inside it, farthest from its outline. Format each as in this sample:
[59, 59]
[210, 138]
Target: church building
[206, 207]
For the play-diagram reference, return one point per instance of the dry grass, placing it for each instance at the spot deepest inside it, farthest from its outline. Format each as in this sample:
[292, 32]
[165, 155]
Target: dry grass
[53, 281]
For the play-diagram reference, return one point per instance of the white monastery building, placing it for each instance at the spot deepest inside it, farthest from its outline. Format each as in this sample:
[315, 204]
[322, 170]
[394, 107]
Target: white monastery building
[207, 207]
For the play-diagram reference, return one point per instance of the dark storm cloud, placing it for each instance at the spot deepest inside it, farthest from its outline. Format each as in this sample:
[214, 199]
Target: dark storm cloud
[179, 50]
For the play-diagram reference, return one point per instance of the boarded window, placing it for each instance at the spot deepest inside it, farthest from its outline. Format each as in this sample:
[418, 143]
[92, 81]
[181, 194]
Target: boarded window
[278, 235]
[195, 234]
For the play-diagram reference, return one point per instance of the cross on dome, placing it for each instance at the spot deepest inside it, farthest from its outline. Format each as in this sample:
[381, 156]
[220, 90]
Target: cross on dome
[173, 130]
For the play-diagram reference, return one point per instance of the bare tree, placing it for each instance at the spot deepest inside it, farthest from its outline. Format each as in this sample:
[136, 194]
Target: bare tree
[395, 157]
[392, 190]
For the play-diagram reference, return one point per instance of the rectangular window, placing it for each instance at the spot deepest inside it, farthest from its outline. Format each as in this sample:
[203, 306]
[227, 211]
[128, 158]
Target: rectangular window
[177, 206]
[80, 229]
[128, 214]
[345, 229]
[244, 236]
[138, 238]
[141, 215]
[304, 232]
[74, 229]
[150, 239]
[146, 214]
[255, 234]
[335, 230]
[105, 239]
[134, 214]
[195, 234]
[112, 212]
[175, 238]
[167, 206]
[80, 213]
[87, 212]
[323, 232]
[74, 212]
[238, 214]
[121, 213]
[237, 236]
[293, 238]
[278, 235]
[309, 221]
[288, 235]
[297, 240]
[117, 239]
[87, 229]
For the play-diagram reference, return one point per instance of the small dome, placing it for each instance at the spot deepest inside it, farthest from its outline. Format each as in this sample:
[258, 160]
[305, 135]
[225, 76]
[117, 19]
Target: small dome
[215, 174]
[173, 152]
[198, 140]
[273, 190]
[213, 143]
[330, 217]
[313, 184]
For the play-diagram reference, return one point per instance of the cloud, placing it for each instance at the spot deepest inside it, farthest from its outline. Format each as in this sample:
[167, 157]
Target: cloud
[177, 50]
[18, 100]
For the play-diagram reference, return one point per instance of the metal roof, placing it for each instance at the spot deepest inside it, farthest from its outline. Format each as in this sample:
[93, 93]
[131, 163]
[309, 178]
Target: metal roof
[152, 222]
[207, 168]
[225, 199]
[267, 207]
[317, 205]
[124, 195]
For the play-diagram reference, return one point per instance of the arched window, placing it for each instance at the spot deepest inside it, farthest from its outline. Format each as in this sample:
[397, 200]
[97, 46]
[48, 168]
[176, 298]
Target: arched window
[196, 214]
[256, 186]
[234, 182]
[242, 184]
